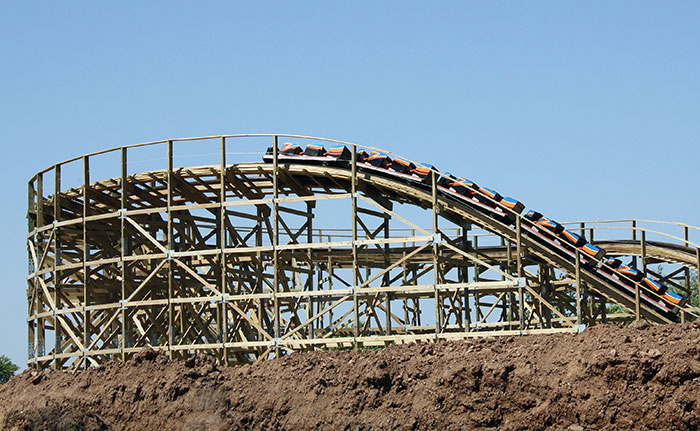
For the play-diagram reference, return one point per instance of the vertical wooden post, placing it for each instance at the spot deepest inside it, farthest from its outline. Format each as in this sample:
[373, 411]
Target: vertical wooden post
[464, 278]
[436, 250]
[355, 269]
[697, 273]
[40, 340]
[86, 257]
[31, 283]
[521, 296]
[260, 268]
[310, 265]
[578, 287]
[275, 244]
[40, 201]
[686, 270]
[510, 295]
[477, 293]
[223, 309]
[643, 246]
[58, 342]
[123, 252]
[634, 238]
[171, 249]
[385, 282]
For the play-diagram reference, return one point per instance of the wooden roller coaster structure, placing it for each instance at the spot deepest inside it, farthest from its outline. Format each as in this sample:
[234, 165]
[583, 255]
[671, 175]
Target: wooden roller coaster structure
[252, 260]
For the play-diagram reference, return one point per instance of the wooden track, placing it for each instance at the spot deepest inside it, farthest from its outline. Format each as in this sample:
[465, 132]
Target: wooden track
[230, 259]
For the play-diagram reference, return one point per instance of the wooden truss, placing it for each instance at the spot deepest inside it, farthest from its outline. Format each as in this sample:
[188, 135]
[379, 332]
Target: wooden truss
[228, 259]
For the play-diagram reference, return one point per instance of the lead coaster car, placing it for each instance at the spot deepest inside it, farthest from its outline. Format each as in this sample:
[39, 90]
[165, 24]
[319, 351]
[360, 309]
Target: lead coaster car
[288, 152]
[287, 149]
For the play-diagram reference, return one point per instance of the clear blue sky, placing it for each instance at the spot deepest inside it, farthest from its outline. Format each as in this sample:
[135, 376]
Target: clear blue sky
[582, 110]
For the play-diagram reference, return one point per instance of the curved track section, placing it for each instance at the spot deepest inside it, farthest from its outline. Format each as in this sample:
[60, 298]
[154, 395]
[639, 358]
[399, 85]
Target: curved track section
[249, 260]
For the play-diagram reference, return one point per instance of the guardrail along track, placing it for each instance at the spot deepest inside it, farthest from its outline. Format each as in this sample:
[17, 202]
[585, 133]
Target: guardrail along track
[249, 260]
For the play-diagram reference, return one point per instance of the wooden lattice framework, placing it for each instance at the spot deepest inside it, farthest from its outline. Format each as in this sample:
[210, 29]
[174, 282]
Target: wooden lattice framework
[228, 258]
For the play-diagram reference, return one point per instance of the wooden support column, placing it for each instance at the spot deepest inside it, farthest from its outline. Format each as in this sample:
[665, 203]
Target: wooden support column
[57, 349]
[578, 288]
[477, 295]
[386, 281]
[310, 266]
[222, 308]
[686, 270]
[521, 295]
[86, 257]
[634, 238]
[436, 250]
[697, 273]
[123, 203]
[31, 284]
[643, 247]
[275, 244]
[40, 339]
[355, 269]
[465, 279]
[171, 248]
[259, 268]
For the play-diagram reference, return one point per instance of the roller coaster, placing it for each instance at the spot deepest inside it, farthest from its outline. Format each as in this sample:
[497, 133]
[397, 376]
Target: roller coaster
[228, 257]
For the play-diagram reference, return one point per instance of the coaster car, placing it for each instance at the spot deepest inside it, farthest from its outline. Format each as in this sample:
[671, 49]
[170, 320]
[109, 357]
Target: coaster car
[674, 298]
[512, 204]
[533, 215]
[491, 194]
[289, 149]
[463, 187]
[341, 153]
[378, 160]
[402, 166]
[551, 225]
[315, 151]
[631, 273]
[654, 286]
[612, 263]
[286, 151]
[593, 251]
[445, 180]
[422, 173]
[543, 221]
[572, 238]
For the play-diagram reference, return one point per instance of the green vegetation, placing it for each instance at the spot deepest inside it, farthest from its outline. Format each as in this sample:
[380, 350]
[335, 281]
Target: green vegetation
[7, 369]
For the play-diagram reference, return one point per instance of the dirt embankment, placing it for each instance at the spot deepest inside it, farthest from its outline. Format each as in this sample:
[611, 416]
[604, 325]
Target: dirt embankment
[606, 378]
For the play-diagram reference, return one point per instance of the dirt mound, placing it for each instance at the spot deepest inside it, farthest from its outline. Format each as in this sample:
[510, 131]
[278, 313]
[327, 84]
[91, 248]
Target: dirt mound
[607, 378]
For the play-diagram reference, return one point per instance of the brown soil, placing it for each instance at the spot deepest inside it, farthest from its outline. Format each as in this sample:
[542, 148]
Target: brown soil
[607, 378]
